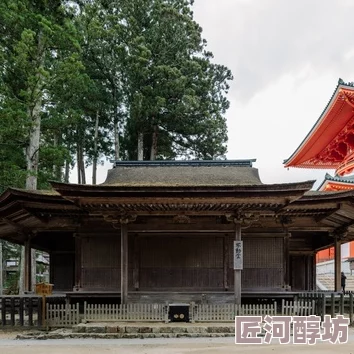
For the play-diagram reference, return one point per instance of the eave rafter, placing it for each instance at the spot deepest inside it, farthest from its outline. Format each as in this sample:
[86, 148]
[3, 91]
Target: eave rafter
[18, 227]
[186, 208]
[347, 98]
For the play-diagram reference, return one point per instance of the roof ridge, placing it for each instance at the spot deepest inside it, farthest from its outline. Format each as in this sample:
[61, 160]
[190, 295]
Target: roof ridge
[189, 163]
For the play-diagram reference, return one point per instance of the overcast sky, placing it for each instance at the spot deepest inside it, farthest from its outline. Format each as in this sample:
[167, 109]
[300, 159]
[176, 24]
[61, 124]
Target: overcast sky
[286, 58]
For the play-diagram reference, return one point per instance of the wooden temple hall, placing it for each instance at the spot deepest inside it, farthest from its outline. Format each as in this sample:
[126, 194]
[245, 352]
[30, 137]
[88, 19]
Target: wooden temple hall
[179, 230]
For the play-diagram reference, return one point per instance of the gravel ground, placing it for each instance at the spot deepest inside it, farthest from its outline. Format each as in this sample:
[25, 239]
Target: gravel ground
[8, 345]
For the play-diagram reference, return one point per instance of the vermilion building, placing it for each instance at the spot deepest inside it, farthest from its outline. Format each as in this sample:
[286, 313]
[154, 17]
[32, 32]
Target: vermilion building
[330, 145]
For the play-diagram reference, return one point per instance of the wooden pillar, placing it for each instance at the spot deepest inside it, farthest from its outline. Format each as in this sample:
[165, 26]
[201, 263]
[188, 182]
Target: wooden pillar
[27, 266]
[337, 264]
[51, 268]
[124, 262]
[309, 272]
[226, 261]
[314, 272]
[136, 272]
[286, 261]
[237, 272]
[78, 246]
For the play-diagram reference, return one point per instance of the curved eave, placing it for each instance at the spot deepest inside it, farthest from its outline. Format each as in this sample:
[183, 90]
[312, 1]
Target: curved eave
[281, 194]
[331, 122]
[94, 190]
[334, 185]
[322, 196]
[14, 200]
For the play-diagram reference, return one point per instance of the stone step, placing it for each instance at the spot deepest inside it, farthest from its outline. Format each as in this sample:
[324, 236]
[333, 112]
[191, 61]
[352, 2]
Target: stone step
[110, 330]
[328, 281]
[66, 335]
[155, 328]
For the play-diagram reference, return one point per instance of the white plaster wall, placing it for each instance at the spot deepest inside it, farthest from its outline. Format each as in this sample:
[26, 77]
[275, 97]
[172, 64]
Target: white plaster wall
[328, 267]
[345, 249]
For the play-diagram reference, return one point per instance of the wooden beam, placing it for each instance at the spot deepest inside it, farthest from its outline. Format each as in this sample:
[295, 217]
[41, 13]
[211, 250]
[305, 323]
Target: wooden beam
[20, 229]
[124, 263]
[237, 272]
[337, 264]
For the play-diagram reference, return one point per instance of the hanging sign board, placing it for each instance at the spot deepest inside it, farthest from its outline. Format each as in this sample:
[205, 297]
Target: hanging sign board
[238, 255]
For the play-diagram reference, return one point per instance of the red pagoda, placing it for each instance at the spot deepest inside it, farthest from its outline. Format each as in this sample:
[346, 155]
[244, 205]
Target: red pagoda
[330, 145]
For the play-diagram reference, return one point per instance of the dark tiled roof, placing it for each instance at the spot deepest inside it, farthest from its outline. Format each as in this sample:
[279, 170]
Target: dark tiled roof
[184, 173]
[315, 193]
[339, 179]
[36, 191]
[347, 179]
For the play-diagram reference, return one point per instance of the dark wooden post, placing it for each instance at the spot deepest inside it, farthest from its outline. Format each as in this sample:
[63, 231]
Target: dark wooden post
[78, 245]
[27, 266]
[226, 261]
[337, 264]
[314, 272]
[237, 272]
[124, 262]
[286, 261]
[136, 272]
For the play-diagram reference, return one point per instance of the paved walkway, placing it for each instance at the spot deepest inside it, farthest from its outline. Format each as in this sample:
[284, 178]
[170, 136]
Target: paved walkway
[163, 346]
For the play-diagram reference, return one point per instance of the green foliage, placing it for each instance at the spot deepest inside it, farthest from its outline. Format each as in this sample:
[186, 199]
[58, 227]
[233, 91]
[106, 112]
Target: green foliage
[141, 66]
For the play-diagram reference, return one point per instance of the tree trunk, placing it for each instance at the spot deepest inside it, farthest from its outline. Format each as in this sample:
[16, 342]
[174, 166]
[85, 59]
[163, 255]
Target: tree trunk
[116, 126]
[81, 177]
[78, 164]
[95, 157]
[57, 169]
[67, 171]
[140, 146]
[82, 165]
[32, 151]
[67, 161]
[153, 151]
[34, 115]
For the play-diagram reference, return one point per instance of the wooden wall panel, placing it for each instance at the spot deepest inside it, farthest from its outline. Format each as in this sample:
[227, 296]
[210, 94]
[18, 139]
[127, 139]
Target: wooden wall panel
[100, 263]
[181, 262]
[263, 263]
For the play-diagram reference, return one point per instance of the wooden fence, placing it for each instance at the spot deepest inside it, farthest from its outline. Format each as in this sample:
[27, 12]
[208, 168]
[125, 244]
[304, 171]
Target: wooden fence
[20, 311]
[26, 310]
[298, 308]
[62, 315]
[227, 312]
[128, 312]
[331, 303]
